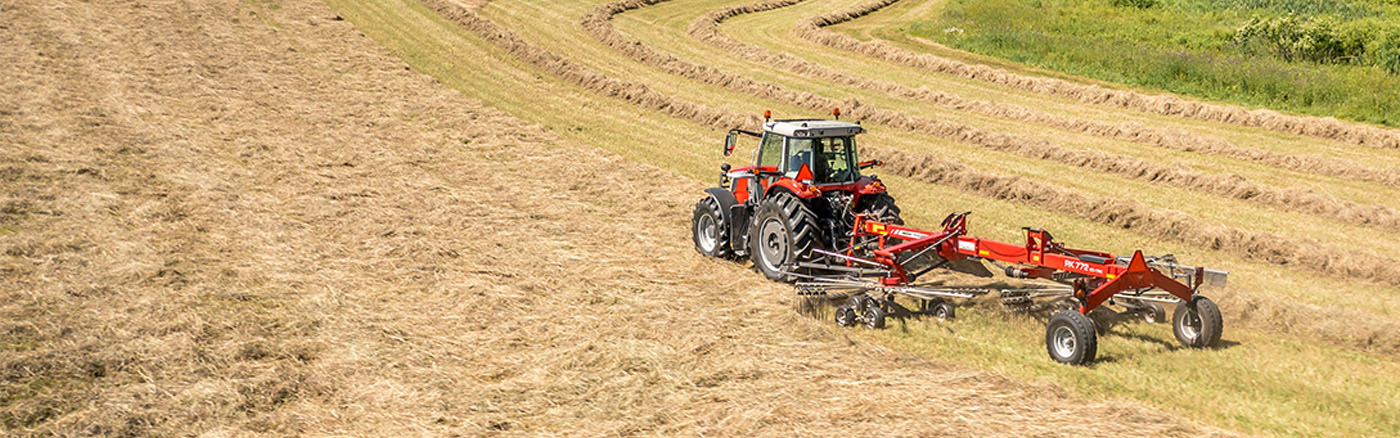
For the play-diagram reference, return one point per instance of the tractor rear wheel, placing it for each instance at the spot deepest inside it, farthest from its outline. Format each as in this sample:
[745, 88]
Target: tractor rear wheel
[1197, 323]
[882, 206]
[783, 232]
[1071, 338]
[709, 230]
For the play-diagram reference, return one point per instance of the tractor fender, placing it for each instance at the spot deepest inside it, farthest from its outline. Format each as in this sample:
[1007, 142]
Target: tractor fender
[726, 202]
[735, 216]
[868, 185]
[789, 186]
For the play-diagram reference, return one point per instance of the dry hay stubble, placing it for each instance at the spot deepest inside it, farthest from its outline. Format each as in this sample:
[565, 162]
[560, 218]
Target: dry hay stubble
[304, 238]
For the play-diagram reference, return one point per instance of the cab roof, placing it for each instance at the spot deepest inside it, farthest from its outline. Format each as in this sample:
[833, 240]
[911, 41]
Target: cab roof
[813, 128]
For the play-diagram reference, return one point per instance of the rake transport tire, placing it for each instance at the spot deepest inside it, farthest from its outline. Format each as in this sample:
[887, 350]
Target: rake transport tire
[709, 230]
[1197, 323]
[783, 232]
[1070, 338]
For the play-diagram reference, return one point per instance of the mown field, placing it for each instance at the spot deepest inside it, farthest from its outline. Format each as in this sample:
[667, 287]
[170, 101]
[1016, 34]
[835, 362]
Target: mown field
[447, 217]
[233, 218]
[1333, 58]
[1296, 208]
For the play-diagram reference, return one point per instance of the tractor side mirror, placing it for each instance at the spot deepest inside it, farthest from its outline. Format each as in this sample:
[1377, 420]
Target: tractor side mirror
[729, 140]
[871, 163]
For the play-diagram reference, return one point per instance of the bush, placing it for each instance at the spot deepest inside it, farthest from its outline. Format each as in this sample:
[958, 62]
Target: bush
[1295, 39]
[1384, 51]
[1140, 4]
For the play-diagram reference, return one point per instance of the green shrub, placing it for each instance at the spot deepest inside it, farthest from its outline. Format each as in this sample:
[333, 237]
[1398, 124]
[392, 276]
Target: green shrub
[1384, 51]
[1140, 4]
[1295, 39]
[1187, 47]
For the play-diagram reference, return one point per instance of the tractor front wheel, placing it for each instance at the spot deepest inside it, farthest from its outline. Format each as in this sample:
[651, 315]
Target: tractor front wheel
[784, 231]
[709, 230]
[1197, 323]
[1070, 338]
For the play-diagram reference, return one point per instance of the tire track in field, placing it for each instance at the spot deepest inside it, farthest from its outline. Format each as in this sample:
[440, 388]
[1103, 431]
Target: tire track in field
[1170, 105]
[706, 28]
[598, 23]
[1255, 246]
[589, 79]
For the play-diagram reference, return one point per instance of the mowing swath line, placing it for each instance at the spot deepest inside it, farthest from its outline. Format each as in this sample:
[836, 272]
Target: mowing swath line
[1262, 247]
[1366, 332]
[706, 28]
[1171, 105]
[597, 22]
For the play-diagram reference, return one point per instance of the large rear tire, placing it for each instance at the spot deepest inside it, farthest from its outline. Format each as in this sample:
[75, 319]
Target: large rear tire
[709, 230]
[1197, 323]
[882, 206]
[1070, 338]
[783, 232]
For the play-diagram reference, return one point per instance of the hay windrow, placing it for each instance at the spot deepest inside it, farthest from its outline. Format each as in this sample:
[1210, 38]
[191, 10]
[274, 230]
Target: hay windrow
[1261, 247]
[584, 77]
[1321, 127]
[598, 23]
[706, 28]
[270, 227]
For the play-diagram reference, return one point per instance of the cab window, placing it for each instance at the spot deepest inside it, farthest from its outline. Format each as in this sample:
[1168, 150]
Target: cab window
[838, 160]
[829, 158]
[799, 152]
[770, 152]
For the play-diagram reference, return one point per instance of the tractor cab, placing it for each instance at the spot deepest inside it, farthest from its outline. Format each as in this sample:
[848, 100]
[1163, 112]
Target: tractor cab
[803, 156]
[826, 148]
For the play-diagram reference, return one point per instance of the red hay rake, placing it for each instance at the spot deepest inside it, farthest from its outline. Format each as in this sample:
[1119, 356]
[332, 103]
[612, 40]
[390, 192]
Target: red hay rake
[895, 257]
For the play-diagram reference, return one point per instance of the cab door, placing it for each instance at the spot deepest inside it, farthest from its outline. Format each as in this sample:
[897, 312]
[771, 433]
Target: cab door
[770, 157]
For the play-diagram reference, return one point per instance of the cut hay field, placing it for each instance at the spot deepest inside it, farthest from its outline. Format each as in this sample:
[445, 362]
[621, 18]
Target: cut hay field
[438, 217]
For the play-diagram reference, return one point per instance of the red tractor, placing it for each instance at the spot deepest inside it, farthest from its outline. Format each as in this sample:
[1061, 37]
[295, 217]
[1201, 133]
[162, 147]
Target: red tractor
[805, 214]
[804, 191]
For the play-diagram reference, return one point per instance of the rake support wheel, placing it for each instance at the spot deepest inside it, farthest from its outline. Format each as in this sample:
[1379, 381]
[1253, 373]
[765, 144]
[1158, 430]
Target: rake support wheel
[1197, 323]
[874, 317]
[1070, 338]
[1154, 313]
[943, 310]
[845, 316]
